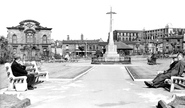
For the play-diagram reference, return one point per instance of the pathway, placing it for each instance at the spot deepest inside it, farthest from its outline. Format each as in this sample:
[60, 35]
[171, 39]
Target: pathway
[103, 86]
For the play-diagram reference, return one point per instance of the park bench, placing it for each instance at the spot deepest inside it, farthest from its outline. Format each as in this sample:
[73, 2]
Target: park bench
[15, 83]
[177, 81]
[42, 75]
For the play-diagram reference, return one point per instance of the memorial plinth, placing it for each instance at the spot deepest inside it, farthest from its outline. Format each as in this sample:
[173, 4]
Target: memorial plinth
[111, 49]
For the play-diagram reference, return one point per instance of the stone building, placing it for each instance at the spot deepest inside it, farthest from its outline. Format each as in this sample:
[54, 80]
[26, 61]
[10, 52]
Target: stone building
[80, 47]
[56, 47]
[30, 40]
[129, 37]
[164, 40]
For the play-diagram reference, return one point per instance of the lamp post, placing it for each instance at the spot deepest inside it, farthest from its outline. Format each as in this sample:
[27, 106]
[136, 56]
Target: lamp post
[156, 50]
[55, 47]
[137, 46]
[144, 35]
[163, 44]
[86, 48]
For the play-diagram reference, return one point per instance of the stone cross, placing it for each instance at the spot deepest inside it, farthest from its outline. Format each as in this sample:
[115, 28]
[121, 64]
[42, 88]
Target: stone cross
[111, 18]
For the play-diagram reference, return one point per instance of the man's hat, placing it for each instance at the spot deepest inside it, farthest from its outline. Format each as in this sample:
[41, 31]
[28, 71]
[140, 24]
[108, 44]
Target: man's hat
[16, 56]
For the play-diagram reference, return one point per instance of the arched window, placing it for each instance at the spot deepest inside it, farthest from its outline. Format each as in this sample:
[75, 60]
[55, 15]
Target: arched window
[90, 47]
[29, 37]
[14, 39]
[94, 47]
[44, 39]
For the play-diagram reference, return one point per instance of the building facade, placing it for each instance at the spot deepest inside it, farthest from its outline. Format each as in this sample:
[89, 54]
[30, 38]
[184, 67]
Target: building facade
[30, 40]
[163, 40]
[56, 47]
[129, 37]
[81, 47]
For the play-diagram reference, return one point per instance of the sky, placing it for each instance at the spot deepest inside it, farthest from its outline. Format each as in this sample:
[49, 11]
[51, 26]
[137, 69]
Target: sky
[88, 17]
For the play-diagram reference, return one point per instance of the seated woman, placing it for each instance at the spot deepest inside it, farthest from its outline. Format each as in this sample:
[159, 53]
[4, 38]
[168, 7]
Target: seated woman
[176, 69]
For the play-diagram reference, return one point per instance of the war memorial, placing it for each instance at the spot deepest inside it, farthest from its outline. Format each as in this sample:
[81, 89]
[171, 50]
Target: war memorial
[111, 56]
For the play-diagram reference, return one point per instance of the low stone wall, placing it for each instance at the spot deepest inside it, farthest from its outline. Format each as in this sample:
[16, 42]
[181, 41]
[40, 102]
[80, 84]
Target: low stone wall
[118, 60]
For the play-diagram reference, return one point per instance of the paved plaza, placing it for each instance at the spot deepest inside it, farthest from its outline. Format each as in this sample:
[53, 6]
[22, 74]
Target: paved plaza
[101, 86]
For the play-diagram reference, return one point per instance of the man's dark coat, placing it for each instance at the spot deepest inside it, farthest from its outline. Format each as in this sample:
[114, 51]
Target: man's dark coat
[175, 70]
[18, 69]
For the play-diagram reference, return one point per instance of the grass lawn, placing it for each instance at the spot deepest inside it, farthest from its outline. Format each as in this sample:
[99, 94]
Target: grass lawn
[63, 70]
[148, 71]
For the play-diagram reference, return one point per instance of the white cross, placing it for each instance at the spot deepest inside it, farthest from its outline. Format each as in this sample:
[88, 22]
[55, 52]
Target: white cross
[111, 17]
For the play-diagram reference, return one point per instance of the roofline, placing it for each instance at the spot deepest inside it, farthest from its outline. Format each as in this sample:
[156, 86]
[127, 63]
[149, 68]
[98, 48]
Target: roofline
[128, 30]
[29, 20]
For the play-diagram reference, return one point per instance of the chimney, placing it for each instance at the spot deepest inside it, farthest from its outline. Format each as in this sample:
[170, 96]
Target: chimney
[82, 37]
[68, 37]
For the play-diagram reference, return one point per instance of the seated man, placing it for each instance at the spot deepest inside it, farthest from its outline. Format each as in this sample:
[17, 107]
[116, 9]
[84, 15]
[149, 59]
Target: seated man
[152, 59]
[19, 70]
[176, 69]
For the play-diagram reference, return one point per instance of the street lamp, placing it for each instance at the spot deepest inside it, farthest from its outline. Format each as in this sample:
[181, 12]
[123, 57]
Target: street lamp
[86, 48]
[156, 45]
[137, 46]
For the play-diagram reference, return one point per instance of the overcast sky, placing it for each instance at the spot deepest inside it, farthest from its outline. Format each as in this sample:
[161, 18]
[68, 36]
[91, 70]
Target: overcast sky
[88, 17]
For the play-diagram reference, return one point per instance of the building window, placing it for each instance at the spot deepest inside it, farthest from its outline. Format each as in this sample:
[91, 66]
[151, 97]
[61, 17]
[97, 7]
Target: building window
[14, 39]
[94, 47]
[67, 47]
[44, 39]
[29, 37]
[178, 40]
[178, 47]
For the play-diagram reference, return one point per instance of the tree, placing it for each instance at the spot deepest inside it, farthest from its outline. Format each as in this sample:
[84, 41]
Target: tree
[5, 52]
